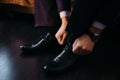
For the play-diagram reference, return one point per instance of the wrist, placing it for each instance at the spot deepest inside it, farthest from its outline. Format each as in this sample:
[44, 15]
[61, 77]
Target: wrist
[94, 36]
[94, 33]
[64, 20]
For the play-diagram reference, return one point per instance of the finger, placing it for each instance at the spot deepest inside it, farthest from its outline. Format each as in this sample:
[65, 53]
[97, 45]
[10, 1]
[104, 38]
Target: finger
[83, 52]
[87, 51]
[59, 38]
[76, 49]
[80, 51]
[74, 44]
[63, 38]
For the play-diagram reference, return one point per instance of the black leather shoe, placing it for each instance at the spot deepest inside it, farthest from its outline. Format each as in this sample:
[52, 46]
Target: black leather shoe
[42, 44]
[62, 62]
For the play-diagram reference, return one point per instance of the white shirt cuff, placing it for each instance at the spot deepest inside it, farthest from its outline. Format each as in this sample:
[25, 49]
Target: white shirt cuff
[99, 25]
[64, 14]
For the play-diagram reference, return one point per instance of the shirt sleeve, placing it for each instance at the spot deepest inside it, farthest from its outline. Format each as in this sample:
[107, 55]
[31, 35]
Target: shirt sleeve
[64, 14]
[99, 25]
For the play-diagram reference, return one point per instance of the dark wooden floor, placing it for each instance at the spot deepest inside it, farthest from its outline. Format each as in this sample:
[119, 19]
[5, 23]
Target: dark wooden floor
[18, 29]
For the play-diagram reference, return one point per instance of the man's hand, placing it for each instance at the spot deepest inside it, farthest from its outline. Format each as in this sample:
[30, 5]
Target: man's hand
[83, 45]
[62, 33]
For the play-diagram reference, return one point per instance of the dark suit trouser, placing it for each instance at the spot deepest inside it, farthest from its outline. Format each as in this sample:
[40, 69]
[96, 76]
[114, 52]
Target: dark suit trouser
[83, 15]
[86, 11]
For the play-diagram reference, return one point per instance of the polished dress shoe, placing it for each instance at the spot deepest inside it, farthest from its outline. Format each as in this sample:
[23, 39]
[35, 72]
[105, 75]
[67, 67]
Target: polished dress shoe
[62, 62]
[41, 45]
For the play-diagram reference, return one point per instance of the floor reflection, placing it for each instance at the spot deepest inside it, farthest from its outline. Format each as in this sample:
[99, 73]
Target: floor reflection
[5, 65]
